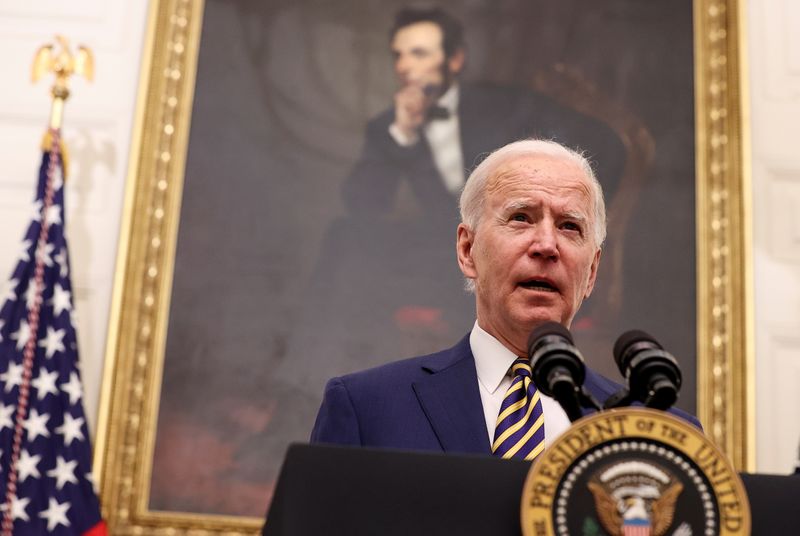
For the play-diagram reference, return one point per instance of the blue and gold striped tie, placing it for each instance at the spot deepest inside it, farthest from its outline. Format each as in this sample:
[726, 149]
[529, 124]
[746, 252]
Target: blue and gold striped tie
[520, 425]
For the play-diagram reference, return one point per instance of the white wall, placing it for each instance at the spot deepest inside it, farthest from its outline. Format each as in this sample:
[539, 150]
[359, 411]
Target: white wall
[774, 56]
[98, 122]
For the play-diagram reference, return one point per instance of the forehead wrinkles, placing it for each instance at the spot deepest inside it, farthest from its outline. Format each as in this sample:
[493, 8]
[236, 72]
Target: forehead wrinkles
[551, 176]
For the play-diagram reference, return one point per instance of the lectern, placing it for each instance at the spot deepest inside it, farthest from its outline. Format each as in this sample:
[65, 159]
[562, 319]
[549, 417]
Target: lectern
[330, 490]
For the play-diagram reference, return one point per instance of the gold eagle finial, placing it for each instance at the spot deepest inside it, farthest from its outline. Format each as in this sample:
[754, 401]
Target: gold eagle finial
[63, 64]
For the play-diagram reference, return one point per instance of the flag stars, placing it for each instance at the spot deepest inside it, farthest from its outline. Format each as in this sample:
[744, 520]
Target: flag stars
[22, 335]
[18, 508]
[11, 291]
[63, 472]
[71, 429]
[25, 253]
[26, 466]
[36, 210]
[31, 294]
[12, 377]
[61, 262]
[53, 215]
[53, 342]
[73, 388]
[56, 514]
[61, 300]
[44, 254]
[45, 383]
[5, 416]
[36, 425]
[52, 437]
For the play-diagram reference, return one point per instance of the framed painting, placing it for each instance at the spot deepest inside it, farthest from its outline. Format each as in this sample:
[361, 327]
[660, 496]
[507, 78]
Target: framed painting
[268, 244]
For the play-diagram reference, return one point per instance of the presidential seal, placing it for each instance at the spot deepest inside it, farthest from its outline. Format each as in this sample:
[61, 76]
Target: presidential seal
[633, 472]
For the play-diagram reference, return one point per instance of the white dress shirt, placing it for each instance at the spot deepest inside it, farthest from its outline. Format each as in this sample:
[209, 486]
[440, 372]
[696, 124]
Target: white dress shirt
[444, 139]
[493, 362]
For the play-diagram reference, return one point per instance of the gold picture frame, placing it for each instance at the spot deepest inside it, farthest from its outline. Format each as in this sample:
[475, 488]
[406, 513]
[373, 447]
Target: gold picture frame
[142, 288]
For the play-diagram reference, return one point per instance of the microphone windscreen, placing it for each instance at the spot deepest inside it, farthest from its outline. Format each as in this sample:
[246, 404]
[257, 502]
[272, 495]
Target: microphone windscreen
[629, 338]
[549, 328]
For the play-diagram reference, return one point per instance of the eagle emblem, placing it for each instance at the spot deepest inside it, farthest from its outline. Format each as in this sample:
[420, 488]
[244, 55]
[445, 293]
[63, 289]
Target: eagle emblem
[635, 498]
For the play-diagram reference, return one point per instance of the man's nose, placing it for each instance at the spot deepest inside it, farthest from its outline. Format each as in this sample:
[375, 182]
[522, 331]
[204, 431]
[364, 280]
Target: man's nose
[544, 242]
[401, 65]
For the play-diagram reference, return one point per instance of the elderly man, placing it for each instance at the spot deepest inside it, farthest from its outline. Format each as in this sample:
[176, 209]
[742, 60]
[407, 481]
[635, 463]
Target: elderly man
[529, 245]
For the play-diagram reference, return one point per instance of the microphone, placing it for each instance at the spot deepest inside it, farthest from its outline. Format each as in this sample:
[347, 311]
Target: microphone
[557, 367]
[653, 375]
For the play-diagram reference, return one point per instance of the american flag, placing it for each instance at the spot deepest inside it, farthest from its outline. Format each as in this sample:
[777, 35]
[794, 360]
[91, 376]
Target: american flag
[636, 527]
[45, 454]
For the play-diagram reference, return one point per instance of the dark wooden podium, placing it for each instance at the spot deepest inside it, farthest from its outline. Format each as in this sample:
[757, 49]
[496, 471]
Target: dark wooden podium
[328, 490]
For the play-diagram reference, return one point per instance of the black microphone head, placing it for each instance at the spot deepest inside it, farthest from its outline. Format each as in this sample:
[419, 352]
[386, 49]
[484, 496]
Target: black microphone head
[550, 346]
[548, 328]
[557, 367]
[626, 341]
[653, 375]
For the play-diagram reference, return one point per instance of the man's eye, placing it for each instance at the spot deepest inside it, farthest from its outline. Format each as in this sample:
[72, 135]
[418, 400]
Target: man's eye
[571, 226]
[519, 217]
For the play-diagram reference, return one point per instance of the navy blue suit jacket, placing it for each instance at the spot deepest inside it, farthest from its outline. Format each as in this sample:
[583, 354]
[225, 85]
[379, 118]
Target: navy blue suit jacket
[424, 403]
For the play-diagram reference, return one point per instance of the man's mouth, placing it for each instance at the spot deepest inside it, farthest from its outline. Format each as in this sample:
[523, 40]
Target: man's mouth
[539, 284]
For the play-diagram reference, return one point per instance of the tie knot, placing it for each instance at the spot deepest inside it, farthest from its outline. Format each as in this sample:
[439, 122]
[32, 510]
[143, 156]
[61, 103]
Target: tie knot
[521, 367]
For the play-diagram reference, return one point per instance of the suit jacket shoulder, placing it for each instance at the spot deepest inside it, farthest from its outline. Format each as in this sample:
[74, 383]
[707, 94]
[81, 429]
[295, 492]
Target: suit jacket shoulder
[424, 403]
[602, 388]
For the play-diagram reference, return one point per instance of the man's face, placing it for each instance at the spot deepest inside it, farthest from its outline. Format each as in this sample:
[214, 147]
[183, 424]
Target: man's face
[419, 57]
[533, 256]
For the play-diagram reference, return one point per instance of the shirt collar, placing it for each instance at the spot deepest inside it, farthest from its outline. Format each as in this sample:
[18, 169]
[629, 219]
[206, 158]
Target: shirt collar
[449, 100]
[492, 359]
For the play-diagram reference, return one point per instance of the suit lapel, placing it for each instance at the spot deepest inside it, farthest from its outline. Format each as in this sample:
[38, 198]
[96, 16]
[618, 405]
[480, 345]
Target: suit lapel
[451, 401]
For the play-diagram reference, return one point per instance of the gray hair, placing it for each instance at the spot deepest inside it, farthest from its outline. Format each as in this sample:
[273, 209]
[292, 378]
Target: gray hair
[474, 193]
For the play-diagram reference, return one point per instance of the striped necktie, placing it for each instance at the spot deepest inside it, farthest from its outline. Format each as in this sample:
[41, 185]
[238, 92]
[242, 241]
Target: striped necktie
[520, 425]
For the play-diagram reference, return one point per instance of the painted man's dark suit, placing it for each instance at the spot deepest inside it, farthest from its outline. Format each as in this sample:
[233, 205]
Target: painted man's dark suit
[425, 403]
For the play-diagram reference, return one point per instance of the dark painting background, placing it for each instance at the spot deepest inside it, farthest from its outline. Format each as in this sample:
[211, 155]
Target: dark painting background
[264, 306]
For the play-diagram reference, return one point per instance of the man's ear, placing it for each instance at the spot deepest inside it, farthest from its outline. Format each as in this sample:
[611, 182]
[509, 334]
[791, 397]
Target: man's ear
[593, 273]
[465, 239]
[456, 61]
